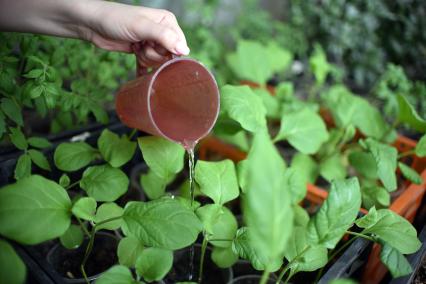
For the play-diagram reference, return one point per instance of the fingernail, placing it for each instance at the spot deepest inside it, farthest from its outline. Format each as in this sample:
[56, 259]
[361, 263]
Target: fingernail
[181, 48]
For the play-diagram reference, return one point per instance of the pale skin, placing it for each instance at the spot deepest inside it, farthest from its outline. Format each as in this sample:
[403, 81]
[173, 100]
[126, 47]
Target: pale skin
[154, 33]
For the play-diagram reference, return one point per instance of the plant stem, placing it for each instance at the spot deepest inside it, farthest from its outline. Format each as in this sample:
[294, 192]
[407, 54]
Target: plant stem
[90, 245]
[361, 235]
[134, 131]
[265, 277]
[220, 240]
[203, 253]
[288, 277]
[280, 277]
[282, 273]
[83, 227]
[72, 185]
[407, 153]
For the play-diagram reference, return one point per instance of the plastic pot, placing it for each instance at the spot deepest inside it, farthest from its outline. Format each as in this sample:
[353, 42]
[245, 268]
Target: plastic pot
[67, 262]
[180, 271]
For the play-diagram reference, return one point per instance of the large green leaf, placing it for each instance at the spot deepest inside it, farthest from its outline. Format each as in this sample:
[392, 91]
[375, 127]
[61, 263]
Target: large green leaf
[364, 163]
[85, 208]
[267, 206]
[72, 238]
[408, 114]
[217, 180]
[224, 257]
[154, 263]
[74, 156]
[12, 268]
[391, 228]
[386, 158]
[337, 213]
[163, 223]
[421, 147]
[244, 106]
[219, 223]
[114, 149]
[34, 210]
[104, 183]
[299, 128]
[395, 261]
[107, 211]
[410, 173]
[302, 255]
[163, 157]
[129, 248]
[118, 274]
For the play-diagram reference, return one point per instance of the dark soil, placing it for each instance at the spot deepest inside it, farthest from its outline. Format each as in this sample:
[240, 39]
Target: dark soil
[211, 273]
[420, 277]
[67, 262]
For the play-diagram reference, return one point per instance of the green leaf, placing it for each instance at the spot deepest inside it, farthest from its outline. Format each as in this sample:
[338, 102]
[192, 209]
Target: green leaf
[219, 223]
[39, 142]
[163, 223]
[294, 182]
[37, 91]
[18, 138]
[2, 124]
[39, 159]
[72, 238]
[368, 220]
[410, 173]
[319, 65]
[35, 73]
[395, 261]
[267, 206]
[386, 158]
[129, 248]
[107, 211]
[163, 157]
[279, 58]
[302, 255]
[297, 127]
[64, 180]
[337, 213]
[118, 274]
[343, 281]
[153, 185]
[85, 208]
[332, 168]
[391, 228]
[217, 180]
[224, 257]
[23, 167]
[12, 110]
[12, 268]
[421, 147]
[37, 199]
[375, 196]
[364, 164]
[301, 217]
[306, 166]
[154, 263]
[242, 246]
[408, 114]
[271, 103]
[104, 183]
[244, 106]
[115, 150]
[74, 156]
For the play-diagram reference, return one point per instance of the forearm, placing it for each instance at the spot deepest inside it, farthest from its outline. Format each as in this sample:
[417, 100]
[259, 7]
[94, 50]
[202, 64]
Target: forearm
[65, 18]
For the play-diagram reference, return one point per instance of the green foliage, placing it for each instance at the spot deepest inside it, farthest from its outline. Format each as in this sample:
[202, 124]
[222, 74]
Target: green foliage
[224, 257]
[72, 238]
[40, 200]
[74, 156]
[319, 65]
[107, 211]
[421, 147]
[12, 268]
[395, 261]
[408, 114]
[118, 274]
[375, 196]
[154, 263]
[114, 149]
[85, 208]
[410, 173]
[129, 248]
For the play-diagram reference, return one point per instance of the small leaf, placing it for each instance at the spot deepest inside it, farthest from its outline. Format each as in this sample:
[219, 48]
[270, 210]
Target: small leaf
[39, 142]
[18, 138]
[35, 73]
[395, 261]
[23, 167]
[224, 257]
[104, 183]
[332, 168]
[64, 180]
[244, 106]
[107, 211]
[154, 263]
[305, 166]
[421, 147]
[364, 164]
[118, 274]
[217, 180]
[85, 208]
[410, 173]
[375, 196]
[39, 159]
[337, 213]
[153, 185]
[179, 226]
[74, 156]
[40, 200]
[297, 127]
[12, 110]
[12, 268]
[72, 238]
[408, 114]
[115, 150]
[37, 91]
[129, 248]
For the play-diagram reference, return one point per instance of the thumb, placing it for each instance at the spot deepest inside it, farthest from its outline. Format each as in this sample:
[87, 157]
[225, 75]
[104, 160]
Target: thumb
[163, 35]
